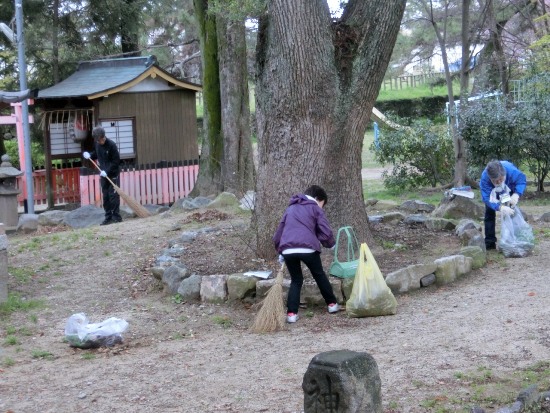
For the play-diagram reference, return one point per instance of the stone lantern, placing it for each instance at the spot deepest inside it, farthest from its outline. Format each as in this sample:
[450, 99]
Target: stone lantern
[8, 194]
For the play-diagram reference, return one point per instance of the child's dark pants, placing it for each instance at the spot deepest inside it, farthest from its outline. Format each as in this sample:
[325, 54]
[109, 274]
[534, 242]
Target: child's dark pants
[313, 262]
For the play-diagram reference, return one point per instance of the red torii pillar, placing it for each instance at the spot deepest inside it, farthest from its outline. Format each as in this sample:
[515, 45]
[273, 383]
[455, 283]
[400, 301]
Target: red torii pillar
[17, 119]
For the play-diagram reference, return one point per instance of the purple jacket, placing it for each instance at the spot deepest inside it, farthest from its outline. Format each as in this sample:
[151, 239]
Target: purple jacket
[304, 225]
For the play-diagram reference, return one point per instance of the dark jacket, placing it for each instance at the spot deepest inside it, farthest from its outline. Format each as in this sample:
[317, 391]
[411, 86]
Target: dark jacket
[304, 225]
[108, 157]
[515, 179]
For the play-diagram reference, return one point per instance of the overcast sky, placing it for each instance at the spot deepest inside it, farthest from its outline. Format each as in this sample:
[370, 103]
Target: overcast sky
[333, 5]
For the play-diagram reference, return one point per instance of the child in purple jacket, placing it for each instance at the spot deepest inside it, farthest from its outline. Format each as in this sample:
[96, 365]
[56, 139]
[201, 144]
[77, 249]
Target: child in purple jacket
[301, 232]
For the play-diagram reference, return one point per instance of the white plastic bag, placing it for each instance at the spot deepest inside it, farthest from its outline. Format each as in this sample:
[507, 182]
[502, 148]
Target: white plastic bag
[79, 332]
[516, 236]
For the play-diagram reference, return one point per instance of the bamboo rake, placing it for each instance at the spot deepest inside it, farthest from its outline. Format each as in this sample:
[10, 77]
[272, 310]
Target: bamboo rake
[271, 316]
[139, 209]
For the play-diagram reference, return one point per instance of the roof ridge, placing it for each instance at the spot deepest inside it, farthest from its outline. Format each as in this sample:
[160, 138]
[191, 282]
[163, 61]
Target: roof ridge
[145, 61]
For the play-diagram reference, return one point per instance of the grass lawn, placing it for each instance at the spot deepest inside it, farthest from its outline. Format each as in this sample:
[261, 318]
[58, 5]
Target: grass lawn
[415, 92]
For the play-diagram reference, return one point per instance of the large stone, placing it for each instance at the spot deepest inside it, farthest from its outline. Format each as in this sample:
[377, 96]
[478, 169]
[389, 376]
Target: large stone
[416, 219]
[439, 224]
[52, 218]
[459, 207]
[479, 258]
[414, 206]
[427, 280]
[224, 200]
[392, 217]
[190, 288]
[408, 278]
[214, 288]
[240, 286]
[158, 272]
[342, 381]
[188, 236]
[173, 276]
[188, 204]
[166, 261]
[175, 251]
[466, 224]
[183, 203]
[263, 286]
[375, 218]
[84, 217]
[27, 223]
[311, 295]
[545, 217]
[450, 268]
[468, 234]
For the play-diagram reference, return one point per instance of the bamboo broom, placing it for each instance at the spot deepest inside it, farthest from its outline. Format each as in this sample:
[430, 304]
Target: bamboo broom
[271, 316]
[139, 209]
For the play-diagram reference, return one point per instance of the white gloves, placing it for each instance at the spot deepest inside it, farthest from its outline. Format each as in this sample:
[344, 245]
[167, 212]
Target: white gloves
[103, 174]
[514, 200]
[86, 155]
[281, 259]
[506, 211]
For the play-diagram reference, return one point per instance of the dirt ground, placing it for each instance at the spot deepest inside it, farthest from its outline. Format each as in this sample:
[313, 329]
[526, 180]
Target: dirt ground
[193, 357]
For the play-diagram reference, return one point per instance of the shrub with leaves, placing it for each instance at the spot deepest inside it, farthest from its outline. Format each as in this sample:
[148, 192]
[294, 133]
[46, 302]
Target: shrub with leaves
[518, 132]
[535, 127]
[490, 127]
[421, 155]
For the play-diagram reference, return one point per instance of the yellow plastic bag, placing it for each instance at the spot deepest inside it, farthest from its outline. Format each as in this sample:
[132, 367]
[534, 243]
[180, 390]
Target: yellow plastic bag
[370, 295]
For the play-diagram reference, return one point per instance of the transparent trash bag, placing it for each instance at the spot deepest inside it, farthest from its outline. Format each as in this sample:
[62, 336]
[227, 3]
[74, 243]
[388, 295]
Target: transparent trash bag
[370, 295]
[516, 236]
[80, 333]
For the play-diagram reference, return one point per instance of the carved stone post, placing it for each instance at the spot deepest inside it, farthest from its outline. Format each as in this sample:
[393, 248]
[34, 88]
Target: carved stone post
[342, 381]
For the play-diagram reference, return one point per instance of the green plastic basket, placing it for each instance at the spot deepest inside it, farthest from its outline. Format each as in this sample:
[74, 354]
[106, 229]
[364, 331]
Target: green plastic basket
[346, 269]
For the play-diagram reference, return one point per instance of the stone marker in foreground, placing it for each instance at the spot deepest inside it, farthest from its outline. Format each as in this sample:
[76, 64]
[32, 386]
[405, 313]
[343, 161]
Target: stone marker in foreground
[342, 381]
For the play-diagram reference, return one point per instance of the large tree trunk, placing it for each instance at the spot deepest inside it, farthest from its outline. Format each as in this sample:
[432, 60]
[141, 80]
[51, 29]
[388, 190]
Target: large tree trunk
[209, 180]
[238, 165]
[317, 83]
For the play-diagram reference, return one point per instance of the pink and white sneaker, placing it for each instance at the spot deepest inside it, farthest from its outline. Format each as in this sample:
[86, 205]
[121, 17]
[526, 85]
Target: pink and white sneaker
[333, 308]
[292, 318]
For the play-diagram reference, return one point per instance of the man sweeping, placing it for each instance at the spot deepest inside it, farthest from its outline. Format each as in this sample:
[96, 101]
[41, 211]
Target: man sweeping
[106, 152]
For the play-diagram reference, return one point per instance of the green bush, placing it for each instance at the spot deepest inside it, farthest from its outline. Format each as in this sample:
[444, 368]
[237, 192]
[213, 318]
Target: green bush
[37, 153]
[519, 132]
[432, 107]
[421, 155]
[534, 127]
[490, 128]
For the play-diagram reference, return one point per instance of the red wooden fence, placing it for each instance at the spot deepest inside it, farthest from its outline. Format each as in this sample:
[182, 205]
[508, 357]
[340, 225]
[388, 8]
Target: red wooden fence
[66, 186]
[147, 186]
